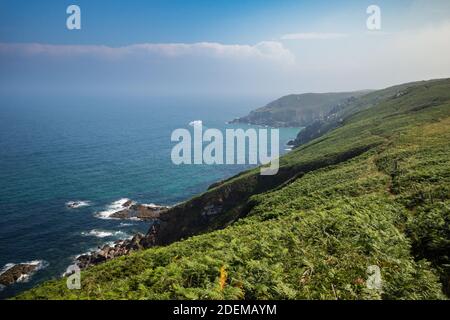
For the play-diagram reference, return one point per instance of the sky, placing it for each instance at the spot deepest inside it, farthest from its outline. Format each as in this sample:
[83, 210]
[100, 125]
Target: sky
[222, 47]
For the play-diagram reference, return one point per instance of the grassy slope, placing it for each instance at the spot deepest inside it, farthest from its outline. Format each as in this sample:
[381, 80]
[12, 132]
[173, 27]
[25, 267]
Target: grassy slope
[338, 115]
[315, 236]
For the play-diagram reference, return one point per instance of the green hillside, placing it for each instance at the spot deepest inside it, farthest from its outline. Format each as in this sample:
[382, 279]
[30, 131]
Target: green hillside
[338, 115]
[373, 191]
[298, 110]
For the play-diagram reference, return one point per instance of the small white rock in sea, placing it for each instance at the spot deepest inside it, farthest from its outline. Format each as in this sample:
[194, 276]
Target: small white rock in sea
[77, 204]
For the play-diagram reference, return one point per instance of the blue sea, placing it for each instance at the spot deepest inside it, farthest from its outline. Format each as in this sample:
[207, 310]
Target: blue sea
[96, 150]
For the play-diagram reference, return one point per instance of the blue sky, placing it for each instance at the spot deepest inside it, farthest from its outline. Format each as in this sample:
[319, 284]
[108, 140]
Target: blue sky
[220, 47]
[121, 22]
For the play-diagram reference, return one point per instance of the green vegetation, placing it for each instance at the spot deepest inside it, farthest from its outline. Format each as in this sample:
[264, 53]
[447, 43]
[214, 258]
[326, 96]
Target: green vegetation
[373, 191]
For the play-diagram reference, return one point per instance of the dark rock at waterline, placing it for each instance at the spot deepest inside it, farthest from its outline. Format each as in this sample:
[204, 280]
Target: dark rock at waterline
[76, 204]
[122, 214]
[13, 274]
[107, 252]
[139, 211]
[127, 203]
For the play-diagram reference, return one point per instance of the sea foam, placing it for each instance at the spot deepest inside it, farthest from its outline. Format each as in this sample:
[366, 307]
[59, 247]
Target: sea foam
[114, 207]
[103, 233]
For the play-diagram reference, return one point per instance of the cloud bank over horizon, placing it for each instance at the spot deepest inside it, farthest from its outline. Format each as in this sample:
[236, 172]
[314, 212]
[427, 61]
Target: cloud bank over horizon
[270, 50]
[296, 62]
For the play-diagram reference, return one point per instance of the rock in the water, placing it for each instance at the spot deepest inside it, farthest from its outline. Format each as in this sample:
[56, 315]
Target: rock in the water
[120, 248]
[77, 204]
[17, 273]
[128, 210]
[122, 214]
[127, 203]
[140, 211]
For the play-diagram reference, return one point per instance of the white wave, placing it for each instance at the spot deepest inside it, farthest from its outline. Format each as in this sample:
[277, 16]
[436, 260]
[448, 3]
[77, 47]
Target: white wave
[84, 253]
[114, 207]
[123, 224]
[151, 205]
[288, 149]
[77, 204]
[98, 248]
[196, 122]
[103, 233]
[94, 249]
[40, 264]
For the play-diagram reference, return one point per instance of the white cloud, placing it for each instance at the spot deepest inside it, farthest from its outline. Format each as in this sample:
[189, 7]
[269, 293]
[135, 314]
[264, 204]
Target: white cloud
[313, 36]
[270, 50]
[271, 67]
[372, 61]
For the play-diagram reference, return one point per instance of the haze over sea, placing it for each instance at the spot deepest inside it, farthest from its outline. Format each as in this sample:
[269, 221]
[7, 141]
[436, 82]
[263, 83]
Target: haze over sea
[98, 150]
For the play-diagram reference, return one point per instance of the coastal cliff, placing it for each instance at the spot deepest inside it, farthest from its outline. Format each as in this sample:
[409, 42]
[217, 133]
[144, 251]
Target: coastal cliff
[371, 189]
[298, 110]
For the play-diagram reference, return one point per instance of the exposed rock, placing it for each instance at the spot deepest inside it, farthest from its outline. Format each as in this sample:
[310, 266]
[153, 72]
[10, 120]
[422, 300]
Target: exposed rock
[401, 93]
[77, 204]
[139, 211]
[122, 214]
[127, 203]
[107, 252]
[16, 273]
[131, 210]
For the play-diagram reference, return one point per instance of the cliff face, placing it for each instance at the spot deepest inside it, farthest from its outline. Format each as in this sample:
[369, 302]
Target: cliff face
[228, 201]
[298, 110]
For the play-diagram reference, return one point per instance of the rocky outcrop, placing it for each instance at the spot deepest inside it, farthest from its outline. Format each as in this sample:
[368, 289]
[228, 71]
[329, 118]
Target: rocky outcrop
[17, 273]
[108, 252]
[77, 204]
[133, 210]
[130, 210]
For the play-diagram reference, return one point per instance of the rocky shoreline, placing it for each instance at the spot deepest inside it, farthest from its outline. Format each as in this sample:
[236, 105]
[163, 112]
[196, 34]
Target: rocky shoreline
[119, 248]
[108, 252]
[129, 210]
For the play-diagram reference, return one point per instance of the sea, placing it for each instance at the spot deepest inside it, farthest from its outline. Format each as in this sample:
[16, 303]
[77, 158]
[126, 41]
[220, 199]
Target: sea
[97, 151]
